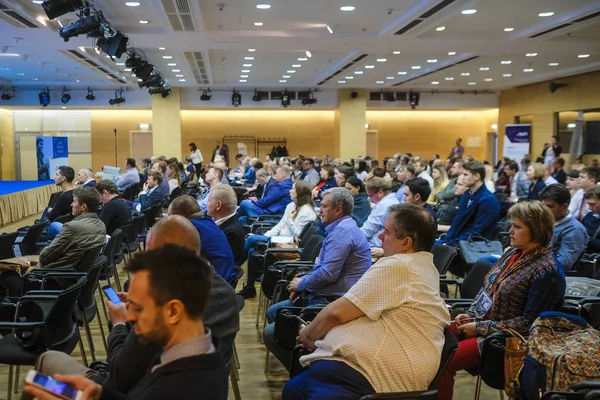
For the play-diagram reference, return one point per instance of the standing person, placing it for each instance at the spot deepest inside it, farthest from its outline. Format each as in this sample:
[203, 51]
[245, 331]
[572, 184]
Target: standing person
[222, 151]
[196, 158]
[457, 151]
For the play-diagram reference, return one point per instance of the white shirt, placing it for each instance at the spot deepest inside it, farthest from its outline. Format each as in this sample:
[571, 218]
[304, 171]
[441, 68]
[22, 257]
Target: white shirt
[490, 186]
[196, 157]
[293, 227]
[220, 221]
[425, 175]
[578, 207]
[373, 226]
[362, 175]
[550, 180]
[397, 344]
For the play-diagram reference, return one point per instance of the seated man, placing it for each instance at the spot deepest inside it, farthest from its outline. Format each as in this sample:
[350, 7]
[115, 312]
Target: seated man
[386, 333]
[215, 247]
[168, 296]
[161, 167]
[115, 212]
[591, 221]
[570, 237]
[85, 177]
[478, 210]
[221, 206]
[417, 191]
[343, 259]
[404, 173]
[130, 177]
[212, 177]
[129, 354]
[446, 215]
[151, 194]
[380, 193]
[62, 206]
[275, 201]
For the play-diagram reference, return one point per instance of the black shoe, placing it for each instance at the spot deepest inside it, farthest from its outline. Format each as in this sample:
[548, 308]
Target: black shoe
[248, 292]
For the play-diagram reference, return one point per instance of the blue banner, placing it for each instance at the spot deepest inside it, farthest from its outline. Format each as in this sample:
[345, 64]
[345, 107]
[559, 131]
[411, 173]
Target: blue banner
[51, 153]
[516, 141]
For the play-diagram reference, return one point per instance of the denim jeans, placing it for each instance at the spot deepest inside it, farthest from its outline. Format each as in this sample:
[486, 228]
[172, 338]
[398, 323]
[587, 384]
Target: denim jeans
[248, 250]
[247, 208]
[55, 227]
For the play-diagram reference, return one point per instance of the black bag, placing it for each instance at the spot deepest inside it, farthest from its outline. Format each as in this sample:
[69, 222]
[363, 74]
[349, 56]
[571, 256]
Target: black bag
[476, 247]
[491, 367]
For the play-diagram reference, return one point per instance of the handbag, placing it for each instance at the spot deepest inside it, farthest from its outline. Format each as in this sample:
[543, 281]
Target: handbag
[285, 256]
[516, 349]
[476, 246]
[491, 367]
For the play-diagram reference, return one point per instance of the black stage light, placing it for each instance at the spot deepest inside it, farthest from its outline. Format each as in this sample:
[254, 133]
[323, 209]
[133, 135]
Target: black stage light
[66, 97]
[154, 80]
[119, 99]
[389, 96]
[164, 90]
[56, 8]
[114, 46]
[256, 96]
[44, 97]
[413, 99]
[87, 23]
[144, 71]
[8, 94]
[310, 100]
[134, 62]
[206, 95]
[90, 95]
[285, 99]
[236, 98]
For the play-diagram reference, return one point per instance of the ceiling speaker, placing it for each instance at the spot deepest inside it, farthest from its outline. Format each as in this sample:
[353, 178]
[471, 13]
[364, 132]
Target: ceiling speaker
[553, 86]
[354, 95]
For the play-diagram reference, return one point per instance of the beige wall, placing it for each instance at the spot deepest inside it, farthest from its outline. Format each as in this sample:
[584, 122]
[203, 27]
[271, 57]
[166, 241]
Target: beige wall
[7, 162]
[581, 93]
[425, 133]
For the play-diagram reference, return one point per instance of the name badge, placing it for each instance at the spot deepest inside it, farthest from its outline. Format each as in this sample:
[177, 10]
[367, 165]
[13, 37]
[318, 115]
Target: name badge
[483, 305]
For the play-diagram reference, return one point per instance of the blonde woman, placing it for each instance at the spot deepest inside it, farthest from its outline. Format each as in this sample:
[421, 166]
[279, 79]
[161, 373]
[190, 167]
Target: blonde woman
[440, 181]
[535, 173]
[174, 177]
[489, 178]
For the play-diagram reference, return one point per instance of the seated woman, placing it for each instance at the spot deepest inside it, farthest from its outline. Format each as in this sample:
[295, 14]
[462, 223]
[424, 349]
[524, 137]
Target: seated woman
[327, 181]
[440, 181]
[535, 173]
[174, 177]
[298, 213]
[526, 281]
[362, 206]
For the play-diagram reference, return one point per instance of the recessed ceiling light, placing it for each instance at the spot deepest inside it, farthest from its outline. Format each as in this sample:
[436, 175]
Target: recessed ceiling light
[182, 80]
[176, 70]
[243, 76]
[251, 50]
[167, 57]
[245, 71]
[583, 56]
[302, 59]
[291, 71]
[546, 14]
[263, 6]
[129, 3]
[348, 8]
[379, 82]
[571, 125]
[127, 70]
[286, 76]
[451, 53]
[507, 75]
[63, 107]
[282, 81]
[381, 59]
[390, 77]
[488, 79]
[258, 24]
[472, 83]
[358, 72]
[484, 68]
[530, 54]
[449, 78]
[296, 65]
[553, 64]
[435, 83]
[465, 74]
[179, 76]
[20, 74]
[509, 29]
[468, 12]
[528, 70]
[402, 72]
[246, 65]
[432, 60]
[506, 62]
[77, 80]
[369, 66]
[120, 63]
[162, 48]
[308, 54]
[416, 67]
[38, 1]
[107, 56]
[34, 79]
[349, 77]
[143, 21]
[341, 81]
[397, 52]
[249, 58]
[329, 29]
[440, 28]
[243, 80]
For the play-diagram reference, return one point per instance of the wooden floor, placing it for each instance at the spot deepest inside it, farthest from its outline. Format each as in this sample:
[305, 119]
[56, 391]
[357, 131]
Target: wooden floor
[254, 383]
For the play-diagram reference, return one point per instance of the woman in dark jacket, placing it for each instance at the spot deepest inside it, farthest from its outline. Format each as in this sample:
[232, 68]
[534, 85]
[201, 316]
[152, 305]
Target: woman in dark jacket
[535, 173]
[327, 181]
[362, 206]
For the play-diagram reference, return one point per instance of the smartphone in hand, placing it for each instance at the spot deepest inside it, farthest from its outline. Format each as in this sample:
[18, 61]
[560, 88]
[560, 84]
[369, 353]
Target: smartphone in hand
[111, 294]
[51, 385]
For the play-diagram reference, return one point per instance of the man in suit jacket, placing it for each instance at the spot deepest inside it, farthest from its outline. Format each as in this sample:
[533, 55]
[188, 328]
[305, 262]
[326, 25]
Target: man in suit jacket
[276, 200]
[223, 151]
[85, 177]
[222, 202]
[151, 194]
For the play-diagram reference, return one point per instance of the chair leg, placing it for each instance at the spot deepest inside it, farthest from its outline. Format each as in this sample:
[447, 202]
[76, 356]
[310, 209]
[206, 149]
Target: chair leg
[268, 303]
[81, 348]
[501, 394]
[103, 305]
[236, 358]
[234, 384]
[101, 330]
[117, 280]
[260, 303]
[10, 382]
[478, 387]
[88, 333]
[267, 360]
[16, 387]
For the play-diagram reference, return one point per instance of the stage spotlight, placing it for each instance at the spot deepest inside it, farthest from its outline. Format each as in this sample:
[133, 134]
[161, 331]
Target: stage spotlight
[153, 80]
[66, 97]
[90, 95]
[86, 23]
[413, 99]
[310, 100]
[114, 46]
[44, 97]
[56, 8]
[134, 62]
[8, 94]
[256, 96]
[206, 95]
[236, 98]
[389, 96]
[164, 90]
[143, 72]
[285, 99]
[119, 99]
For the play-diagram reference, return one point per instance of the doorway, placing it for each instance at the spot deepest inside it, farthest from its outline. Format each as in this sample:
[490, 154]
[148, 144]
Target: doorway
[373, 144]
[492, 148]
[141, 145]
[25, 156]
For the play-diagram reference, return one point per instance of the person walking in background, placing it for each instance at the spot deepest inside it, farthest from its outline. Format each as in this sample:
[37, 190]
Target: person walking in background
[457, 151]
[196, 156]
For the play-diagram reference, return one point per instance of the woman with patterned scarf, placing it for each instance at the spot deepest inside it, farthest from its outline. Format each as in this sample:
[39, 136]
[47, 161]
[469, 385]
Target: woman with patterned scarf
[526, 281]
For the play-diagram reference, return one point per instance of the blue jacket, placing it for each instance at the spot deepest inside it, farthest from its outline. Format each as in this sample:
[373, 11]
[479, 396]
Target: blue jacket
[277, 198]
[153, 198]
[215, 247]
[329, 183]
[534, 192]
[569, 241]
[477, 213]
[268, 185]
[249, 175]
[362, 209]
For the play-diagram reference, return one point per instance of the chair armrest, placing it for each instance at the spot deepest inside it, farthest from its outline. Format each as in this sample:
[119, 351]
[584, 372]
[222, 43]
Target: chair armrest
[41, 292]
[64, 274]
[42, 270]
[424, 395]
[21, 326]
[450, 281]
[284, 263]
[42, 244]
[277, 250]
[39, 296]
[586, 385]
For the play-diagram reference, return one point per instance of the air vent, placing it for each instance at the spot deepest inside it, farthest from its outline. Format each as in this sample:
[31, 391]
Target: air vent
[345, 67]
[82, 59]
[550, 30]
[196, 62]
[567, 24]
[437, 70]
[14, 18]
[590, 16]
[179, 14]
[432, 11]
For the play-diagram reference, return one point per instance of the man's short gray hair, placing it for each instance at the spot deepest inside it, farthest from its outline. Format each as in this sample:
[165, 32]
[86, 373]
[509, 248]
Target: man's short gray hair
[285, 170]
[341, 197]
[262, 172]
[225, 194]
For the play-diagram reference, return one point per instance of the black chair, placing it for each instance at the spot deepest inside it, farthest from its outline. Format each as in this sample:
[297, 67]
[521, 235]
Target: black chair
[42, 322]
[151, 214]
[131, 192]
[448, 351]
[63, 219]
[132, 242]
[7, 241]
[178, 191]
[119, 255]
[32, 236]
[473, 282]
[110, 267]
[239, 273]
[443, 256]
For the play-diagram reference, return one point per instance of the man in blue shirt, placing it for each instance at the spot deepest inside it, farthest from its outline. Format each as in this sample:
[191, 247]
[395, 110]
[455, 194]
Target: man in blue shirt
[215, 247]
[570, 237]
[275, 201]
[380, 193]
[478, 210]
[213, 176]
[592, 219]
[130, 176]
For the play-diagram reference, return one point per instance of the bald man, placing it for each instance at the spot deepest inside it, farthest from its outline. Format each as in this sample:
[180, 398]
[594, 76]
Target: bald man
[85, 177]
[128, 357]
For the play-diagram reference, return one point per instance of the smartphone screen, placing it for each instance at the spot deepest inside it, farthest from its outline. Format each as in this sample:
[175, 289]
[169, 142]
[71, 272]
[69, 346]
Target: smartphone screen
[112, 295]
[54, 386]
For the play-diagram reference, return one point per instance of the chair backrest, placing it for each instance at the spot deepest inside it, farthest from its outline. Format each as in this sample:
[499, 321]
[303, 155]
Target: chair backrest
[178, 191]
[139, 222]
[7, 241]
[151, 214]
[131, 191]
[113, 244]
[60, 323]
[443, 257]
[474, 280]
[64, 218]
[33, 235]
[87, 298]
[448, 351]
[312, 248]
[239, 273]
[305, 230]
[310, 232]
